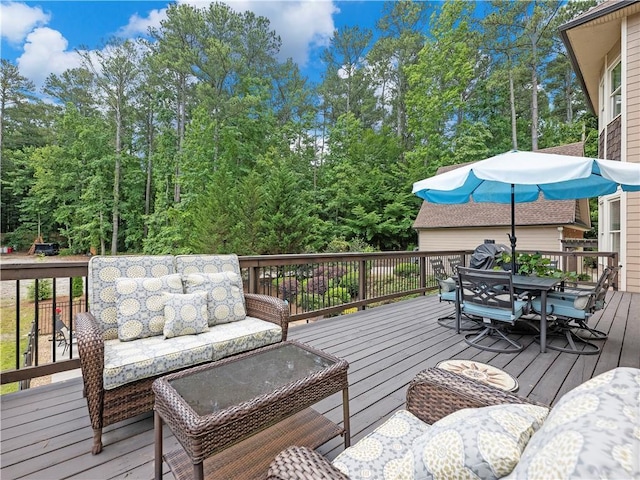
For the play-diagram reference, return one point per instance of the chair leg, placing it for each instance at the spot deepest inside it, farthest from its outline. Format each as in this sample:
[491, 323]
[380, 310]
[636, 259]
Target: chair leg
[561, 337]
[585, 332]
[474, 340]
[466, 323]
[97, 441]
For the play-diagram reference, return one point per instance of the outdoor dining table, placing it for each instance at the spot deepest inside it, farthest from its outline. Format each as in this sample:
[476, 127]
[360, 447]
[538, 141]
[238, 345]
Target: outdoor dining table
[538, 286]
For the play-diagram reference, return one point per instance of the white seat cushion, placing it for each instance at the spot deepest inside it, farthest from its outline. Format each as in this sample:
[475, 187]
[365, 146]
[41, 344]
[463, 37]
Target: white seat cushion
[241, 336]
[125, 362]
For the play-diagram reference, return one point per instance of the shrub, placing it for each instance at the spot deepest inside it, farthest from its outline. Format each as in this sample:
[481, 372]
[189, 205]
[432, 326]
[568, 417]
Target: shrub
[351, 281]
[77, 287]
[338, 295]
[406, 270]
[315, 285]
[288, 287]
[45, 290]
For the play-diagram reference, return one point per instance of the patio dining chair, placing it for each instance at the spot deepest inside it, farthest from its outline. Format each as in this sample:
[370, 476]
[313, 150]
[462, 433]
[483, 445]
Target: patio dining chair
[571, 310]
[489, 294]
[447, 292]
[62, 335]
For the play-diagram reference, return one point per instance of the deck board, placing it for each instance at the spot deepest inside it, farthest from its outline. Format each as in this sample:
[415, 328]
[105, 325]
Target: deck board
[46, 431]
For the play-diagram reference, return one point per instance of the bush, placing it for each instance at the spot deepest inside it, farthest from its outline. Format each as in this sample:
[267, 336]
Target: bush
[338, 295]
[45, 290]
[351, 281]
[406, 270]
[315, 285]
[77, 287]
[288, 287]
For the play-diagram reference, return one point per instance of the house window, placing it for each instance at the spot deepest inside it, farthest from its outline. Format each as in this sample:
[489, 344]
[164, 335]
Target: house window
[615, 97]
[614, 225]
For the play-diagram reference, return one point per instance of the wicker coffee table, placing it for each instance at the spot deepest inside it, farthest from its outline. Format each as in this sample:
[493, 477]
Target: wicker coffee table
[238, 413]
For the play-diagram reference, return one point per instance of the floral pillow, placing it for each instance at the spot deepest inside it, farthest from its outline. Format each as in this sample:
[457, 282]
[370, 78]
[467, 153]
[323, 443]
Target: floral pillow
[140, 305]
[592, 432]
[477, 442]
[225, 297]
[185, 314]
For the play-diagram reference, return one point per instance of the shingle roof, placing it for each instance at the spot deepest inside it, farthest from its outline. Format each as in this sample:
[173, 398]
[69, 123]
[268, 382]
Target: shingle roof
[540, 212]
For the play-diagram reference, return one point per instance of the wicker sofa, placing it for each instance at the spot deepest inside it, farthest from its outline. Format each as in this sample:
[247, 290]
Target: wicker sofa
[151, 315]
[454, 427]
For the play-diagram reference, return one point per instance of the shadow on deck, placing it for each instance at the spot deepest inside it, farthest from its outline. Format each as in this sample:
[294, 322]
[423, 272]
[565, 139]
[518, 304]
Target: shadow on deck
[46, 431]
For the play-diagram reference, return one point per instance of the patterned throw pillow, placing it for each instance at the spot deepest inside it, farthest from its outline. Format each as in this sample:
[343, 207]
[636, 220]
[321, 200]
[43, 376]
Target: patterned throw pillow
[185, 314]
[140, 305]
[225, 297]
[477, 442]
[592, 432]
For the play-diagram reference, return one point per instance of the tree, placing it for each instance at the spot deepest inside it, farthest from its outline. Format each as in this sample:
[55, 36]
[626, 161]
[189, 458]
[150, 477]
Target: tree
[115, 69]
[401, 39]
[437, 81]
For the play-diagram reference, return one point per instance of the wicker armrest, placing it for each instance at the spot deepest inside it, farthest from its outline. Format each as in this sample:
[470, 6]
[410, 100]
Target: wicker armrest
[435, 393]
[268, 308]
[91, 352]
[301, 463]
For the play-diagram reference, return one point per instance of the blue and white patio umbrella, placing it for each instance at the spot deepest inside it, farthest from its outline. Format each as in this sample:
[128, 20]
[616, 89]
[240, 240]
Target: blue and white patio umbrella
[517, 176]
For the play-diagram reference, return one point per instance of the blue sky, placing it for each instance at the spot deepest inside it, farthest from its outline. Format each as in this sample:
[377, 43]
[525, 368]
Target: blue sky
[41, 36]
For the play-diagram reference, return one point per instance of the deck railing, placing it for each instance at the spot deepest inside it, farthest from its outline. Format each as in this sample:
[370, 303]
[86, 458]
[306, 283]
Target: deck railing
[314, 285]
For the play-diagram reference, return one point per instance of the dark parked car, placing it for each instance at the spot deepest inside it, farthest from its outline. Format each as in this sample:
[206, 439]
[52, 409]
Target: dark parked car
[47, 249]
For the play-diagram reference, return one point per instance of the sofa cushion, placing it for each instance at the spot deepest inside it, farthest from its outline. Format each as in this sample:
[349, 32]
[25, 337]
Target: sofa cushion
[102, 274]
[125, 362]
[477, 442]
[185, 314]
[386, 452]
[225, 297]
[592, 432]
[140, 305]
[186, 264]
[230, 338]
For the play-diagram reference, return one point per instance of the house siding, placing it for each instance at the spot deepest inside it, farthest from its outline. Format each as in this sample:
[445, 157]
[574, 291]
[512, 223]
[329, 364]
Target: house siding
[529, 238]
[633, 151]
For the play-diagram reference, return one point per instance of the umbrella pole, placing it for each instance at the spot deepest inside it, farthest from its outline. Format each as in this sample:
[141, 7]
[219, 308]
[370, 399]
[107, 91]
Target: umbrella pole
[512, 237]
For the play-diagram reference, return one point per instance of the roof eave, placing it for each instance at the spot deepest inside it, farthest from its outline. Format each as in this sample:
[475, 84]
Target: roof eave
[582, 20]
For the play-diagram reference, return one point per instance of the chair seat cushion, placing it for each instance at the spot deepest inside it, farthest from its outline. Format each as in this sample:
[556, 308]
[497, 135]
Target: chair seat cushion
[560, 307]
[125, 362]
[448, 296]
[592, 432]
[241, 336]
[385, 452]
[495, 313]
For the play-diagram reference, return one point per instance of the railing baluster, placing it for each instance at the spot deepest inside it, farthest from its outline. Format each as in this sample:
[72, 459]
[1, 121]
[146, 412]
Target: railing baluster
[17, 324]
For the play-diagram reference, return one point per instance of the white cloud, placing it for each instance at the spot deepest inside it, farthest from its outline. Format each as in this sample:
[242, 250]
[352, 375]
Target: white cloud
[18, 19]
[301, 24]
[140, 25]
[45, 52]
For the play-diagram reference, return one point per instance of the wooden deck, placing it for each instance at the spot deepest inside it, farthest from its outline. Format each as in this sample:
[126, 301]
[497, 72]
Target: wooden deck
[46, 433]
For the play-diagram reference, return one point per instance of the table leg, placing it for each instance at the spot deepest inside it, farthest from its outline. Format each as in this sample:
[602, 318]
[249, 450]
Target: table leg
[198, 471]
[345, 416]
[157, 427]
[543, 321]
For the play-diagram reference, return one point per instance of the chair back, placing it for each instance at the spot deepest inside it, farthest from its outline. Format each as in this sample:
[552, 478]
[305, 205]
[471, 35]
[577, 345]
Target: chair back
[438, 269]
[487, 290]
[454, 263]
[601, 288]
[102, 274]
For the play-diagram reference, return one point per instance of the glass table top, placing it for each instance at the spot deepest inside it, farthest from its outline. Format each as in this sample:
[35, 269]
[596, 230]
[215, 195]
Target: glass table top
[229, 384]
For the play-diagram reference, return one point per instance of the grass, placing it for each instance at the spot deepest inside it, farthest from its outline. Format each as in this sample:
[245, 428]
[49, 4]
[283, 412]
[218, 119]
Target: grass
[8, 336]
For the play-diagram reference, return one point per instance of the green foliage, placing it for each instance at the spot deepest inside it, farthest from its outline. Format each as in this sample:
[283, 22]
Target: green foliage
[77, 287]
[214, 145]
[406, 270]
[45, 290]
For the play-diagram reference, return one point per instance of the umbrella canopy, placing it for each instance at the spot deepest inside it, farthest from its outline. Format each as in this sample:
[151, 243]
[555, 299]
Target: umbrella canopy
[517, 176]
